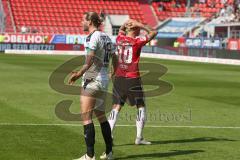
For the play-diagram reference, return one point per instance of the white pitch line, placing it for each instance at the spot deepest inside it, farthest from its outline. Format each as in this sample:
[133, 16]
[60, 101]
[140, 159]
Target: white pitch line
[121, 125]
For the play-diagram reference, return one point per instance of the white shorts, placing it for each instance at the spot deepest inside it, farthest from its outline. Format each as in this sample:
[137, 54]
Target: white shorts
[97, 89]
[96, 85]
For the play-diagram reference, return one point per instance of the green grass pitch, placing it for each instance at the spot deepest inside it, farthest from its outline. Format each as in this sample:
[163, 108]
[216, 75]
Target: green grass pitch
[204, 95]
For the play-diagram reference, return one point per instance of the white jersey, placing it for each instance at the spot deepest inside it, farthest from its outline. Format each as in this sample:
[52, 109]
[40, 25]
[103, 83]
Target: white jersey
[103, 47]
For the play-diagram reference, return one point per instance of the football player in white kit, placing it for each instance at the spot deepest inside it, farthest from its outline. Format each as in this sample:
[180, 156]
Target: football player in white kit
[99, 48]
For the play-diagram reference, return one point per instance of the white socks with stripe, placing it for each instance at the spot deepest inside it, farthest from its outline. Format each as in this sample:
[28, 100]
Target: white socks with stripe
[140, 121]
[113, 118]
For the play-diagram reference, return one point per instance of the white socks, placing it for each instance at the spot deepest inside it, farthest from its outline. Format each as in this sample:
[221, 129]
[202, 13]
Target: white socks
[140, 121]
[113, 118]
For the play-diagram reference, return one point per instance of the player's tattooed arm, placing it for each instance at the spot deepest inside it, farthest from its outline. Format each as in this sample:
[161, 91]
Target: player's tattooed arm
[123, 28]
[89, 61]
[151, 32]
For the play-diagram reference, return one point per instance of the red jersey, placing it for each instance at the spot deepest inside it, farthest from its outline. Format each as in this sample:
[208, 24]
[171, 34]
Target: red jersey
[128, 51]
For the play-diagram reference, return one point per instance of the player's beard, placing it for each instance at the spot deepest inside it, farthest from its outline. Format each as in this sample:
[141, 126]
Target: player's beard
[85, 28]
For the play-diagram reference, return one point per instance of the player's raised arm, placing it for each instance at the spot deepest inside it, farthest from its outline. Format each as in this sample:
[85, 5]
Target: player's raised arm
[124, 27]
[151, 32]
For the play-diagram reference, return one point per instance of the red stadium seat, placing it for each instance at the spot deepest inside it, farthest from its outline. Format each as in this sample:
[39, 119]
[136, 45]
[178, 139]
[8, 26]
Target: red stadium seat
[68, 13]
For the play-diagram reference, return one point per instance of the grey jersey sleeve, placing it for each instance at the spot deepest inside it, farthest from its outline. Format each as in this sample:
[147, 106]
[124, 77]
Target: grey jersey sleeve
[94, 41]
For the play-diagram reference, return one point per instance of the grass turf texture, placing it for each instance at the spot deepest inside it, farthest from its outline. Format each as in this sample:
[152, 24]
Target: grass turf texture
[203, 95]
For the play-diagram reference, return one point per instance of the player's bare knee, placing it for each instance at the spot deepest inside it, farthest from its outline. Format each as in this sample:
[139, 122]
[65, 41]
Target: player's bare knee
[86, 117]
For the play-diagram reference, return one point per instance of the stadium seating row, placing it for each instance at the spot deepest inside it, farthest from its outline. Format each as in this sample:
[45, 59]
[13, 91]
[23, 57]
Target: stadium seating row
[67, 13]
[169, 9]
[172, 9]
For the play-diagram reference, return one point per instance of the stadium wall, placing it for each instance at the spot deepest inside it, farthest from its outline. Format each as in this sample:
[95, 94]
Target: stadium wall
[41, 47]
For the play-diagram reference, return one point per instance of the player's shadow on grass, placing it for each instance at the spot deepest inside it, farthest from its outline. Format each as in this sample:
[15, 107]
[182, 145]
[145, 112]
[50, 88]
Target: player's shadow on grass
[162, 155]
[193, 140]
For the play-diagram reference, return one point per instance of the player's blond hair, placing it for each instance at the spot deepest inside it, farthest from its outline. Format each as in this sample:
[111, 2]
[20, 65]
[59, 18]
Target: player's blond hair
[128, 26]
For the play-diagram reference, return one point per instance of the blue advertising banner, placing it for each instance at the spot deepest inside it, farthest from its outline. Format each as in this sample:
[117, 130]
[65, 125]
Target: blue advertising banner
[194, 43]
[204, 43]
[75, 39]
[212, 43]
[45, 39]
[59, 39]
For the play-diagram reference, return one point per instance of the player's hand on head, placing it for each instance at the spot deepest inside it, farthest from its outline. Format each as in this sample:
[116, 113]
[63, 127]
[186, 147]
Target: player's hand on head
[129, 23]
[136, 24]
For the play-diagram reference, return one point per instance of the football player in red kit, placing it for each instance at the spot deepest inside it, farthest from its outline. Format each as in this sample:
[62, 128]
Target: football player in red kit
[127, 82]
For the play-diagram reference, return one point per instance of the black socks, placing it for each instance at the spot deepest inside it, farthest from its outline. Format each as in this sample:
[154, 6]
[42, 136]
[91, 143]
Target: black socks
[107, 135]
[89, 134]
